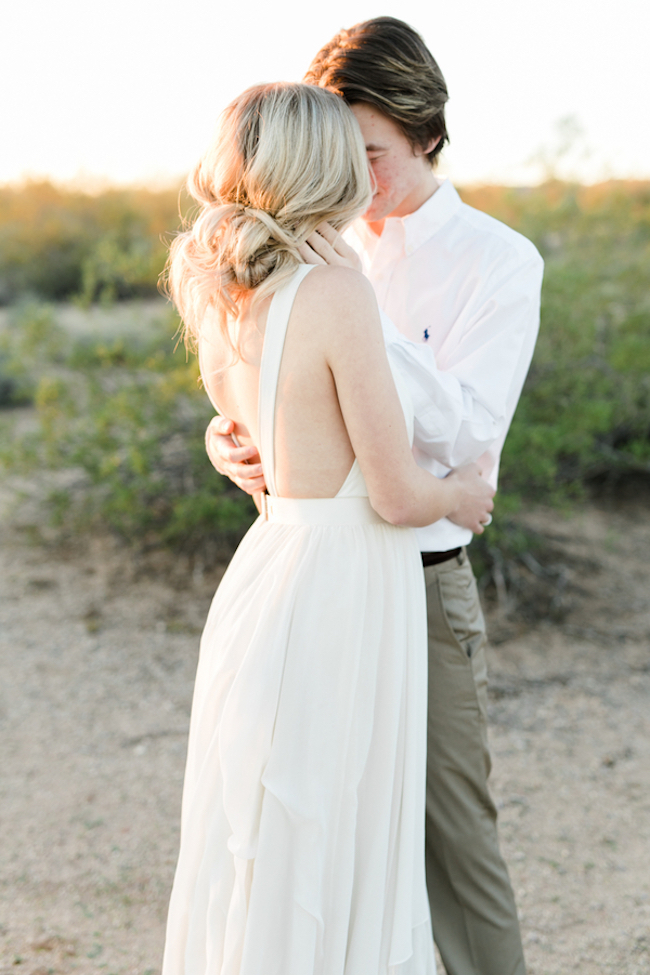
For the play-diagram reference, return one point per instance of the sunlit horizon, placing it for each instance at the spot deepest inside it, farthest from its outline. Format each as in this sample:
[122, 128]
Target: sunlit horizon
[103, 97]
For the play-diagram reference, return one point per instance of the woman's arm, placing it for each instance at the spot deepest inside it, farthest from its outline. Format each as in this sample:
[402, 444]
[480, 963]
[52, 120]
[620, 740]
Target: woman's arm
[353, 345]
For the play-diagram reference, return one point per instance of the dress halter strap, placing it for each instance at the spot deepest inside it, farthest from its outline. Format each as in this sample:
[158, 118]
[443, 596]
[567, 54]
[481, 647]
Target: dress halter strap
[276, 330]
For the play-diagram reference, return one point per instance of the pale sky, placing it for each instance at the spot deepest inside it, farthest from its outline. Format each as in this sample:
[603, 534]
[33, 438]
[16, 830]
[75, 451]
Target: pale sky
[129, 90]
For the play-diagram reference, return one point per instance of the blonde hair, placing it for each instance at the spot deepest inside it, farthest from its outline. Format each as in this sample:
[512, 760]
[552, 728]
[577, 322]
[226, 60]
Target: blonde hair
[285, 158]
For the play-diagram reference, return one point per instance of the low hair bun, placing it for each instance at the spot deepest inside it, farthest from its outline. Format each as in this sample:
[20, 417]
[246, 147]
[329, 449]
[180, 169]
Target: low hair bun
[258, 246]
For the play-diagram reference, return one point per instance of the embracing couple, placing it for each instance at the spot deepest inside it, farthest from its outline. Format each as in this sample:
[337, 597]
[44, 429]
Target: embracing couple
[355, 407]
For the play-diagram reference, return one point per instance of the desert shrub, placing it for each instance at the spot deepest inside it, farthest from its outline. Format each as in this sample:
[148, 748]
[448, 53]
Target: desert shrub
[57, 243]
[130, 417]
[30, 343]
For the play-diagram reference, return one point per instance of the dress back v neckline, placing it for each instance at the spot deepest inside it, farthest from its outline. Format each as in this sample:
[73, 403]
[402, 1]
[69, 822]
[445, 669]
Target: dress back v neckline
[272, 349]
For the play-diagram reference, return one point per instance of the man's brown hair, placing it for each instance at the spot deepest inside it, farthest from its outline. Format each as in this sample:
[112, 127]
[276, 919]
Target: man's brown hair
[386, 63]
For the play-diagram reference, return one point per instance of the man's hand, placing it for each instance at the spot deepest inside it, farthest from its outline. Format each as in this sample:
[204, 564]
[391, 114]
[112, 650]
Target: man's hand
[474, 511]
[326, 246]
[241, 464]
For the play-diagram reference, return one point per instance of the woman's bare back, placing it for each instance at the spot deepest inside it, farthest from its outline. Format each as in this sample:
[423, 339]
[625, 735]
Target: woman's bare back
[313, 453]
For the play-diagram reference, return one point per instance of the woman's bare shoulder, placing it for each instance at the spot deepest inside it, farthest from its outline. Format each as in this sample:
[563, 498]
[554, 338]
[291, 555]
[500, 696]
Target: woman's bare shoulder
[334, 294]
[336, 281]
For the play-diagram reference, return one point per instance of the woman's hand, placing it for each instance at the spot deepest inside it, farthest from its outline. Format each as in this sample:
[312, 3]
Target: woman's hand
[241, 464]
[326, 246]
[474, 510]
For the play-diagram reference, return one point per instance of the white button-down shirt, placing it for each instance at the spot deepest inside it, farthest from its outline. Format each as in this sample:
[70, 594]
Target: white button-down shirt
[459, 294]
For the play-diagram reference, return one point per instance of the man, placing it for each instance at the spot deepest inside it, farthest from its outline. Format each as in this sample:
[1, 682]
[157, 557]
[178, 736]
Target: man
[459, 294]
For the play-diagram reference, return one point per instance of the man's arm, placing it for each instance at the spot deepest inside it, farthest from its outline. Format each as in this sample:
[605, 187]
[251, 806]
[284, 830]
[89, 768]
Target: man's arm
[464, 401]
[241, 465]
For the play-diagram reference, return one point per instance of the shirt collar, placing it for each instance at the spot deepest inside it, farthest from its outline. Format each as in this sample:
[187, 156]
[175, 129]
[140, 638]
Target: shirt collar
[417, 227]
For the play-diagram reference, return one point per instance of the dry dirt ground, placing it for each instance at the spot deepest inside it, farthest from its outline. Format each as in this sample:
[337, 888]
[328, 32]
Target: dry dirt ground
[98, 650]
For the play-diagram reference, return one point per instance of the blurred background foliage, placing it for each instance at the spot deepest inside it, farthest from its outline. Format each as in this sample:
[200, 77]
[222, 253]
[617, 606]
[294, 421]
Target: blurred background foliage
[64, 245]
[92, 383]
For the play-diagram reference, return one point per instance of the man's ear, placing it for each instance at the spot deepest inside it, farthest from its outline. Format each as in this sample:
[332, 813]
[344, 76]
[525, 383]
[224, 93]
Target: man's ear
[431, 146]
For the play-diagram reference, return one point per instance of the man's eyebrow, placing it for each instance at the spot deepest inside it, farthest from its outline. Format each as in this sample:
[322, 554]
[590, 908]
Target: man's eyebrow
[374, 147]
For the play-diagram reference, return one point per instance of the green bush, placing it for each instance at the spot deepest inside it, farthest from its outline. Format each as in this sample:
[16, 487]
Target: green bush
[31, 343]
[131, 417]
[57, 244]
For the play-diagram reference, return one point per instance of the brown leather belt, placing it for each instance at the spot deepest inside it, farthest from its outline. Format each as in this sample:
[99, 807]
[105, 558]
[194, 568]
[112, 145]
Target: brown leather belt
[435, 558]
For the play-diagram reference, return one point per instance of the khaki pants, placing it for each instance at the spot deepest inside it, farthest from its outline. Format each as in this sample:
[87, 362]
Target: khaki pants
[472, 905]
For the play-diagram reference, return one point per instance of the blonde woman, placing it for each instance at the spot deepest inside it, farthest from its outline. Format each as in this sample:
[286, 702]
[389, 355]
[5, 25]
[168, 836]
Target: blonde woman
[303, 807]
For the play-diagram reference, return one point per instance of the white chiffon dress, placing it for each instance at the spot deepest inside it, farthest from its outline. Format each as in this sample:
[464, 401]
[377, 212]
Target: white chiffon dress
[302, 833]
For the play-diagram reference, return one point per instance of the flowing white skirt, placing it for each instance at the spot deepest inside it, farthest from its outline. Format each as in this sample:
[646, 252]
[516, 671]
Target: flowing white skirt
[302, 838]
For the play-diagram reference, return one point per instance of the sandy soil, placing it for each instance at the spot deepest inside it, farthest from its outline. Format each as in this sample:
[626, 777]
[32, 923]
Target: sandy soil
[97, 656]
